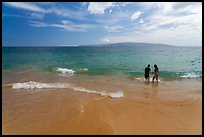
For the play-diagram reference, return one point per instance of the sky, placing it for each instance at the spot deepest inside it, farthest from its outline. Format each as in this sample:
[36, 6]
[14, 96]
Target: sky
[82, 23]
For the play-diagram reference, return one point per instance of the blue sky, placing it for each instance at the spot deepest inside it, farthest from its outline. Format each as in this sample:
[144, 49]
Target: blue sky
[79, 23]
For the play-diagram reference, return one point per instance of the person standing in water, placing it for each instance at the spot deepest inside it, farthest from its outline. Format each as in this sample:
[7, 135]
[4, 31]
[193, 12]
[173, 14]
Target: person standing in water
[156, 73]
[147, 71]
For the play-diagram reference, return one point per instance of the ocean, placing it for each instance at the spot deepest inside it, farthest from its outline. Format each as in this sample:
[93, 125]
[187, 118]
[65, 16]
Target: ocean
[173, 62]
[101, 90]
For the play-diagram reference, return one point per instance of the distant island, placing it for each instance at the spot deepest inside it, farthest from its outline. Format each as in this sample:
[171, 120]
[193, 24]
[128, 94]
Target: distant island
[127, 44]
[119, 44]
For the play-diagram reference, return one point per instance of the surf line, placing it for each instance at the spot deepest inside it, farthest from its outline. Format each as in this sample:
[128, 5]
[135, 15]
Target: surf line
[36, 85]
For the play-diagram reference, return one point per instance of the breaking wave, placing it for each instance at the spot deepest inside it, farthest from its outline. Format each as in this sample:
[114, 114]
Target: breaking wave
[36, 85]
[70, 71]
[65, 70]
[191, 75]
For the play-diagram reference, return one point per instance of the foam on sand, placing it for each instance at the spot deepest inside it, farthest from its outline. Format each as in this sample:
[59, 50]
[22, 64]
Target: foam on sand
[150, 80]
[33, 85]
[117, 94]
[83, 90]
[36, 85]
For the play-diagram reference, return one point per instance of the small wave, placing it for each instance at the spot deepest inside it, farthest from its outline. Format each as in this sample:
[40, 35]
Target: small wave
[191, 75]
[84, 69]
[36, 85]
[65, 70]
[70, 71]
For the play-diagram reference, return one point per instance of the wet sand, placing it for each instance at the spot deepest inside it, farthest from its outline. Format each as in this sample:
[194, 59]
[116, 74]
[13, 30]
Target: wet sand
[172, 107]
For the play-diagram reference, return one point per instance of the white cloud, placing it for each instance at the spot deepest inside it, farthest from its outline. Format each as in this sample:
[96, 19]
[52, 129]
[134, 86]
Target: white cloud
[39, 9]
[79, 15]
[190, 9]
[183, 35]
[38, 24]
[25, 6]
[170, 7]
[135, 15]
[106, 40]
[99, 7]
[115, 28]
[113, 18]
[187, 15]
[177, 24]
[141, 21]
[157, 5]
[66, 25]
[37, 15]
[83, 4]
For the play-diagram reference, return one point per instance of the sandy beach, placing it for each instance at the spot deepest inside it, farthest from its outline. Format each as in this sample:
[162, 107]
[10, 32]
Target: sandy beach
[170, 107]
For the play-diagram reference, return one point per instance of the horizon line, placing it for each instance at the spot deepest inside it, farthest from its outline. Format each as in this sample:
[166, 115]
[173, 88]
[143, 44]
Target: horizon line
[80, 45]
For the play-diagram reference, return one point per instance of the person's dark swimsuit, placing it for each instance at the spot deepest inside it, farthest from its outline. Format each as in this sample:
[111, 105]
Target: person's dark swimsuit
[147, 70]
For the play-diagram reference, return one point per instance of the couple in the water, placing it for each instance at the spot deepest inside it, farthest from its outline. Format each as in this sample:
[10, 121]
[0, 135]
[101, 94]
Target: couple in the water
[147, 71]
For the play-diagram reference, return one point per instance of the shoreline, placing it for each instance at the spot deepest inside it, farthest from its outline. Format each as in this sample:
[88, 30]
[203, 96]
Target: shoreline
[85, 72]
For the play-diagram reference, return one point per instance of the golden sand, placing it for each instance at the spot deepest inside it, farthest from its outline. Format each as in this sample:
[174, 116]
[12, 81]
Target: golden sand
[62, 111]
[169, 107]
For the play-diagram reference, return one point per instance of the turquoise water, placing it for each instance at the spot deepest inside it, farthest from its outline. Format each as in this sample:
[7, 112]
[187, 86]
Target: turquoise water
[173, 62]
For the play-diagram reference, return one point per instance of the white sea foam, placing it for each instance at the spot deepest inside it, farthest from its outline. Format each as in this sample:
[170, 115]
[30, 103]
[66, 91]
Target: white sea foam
[191, 75]
[83, 90]
[117, 94]
[143, 79]
[65, 70]
[32, 85]
[36, 85]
